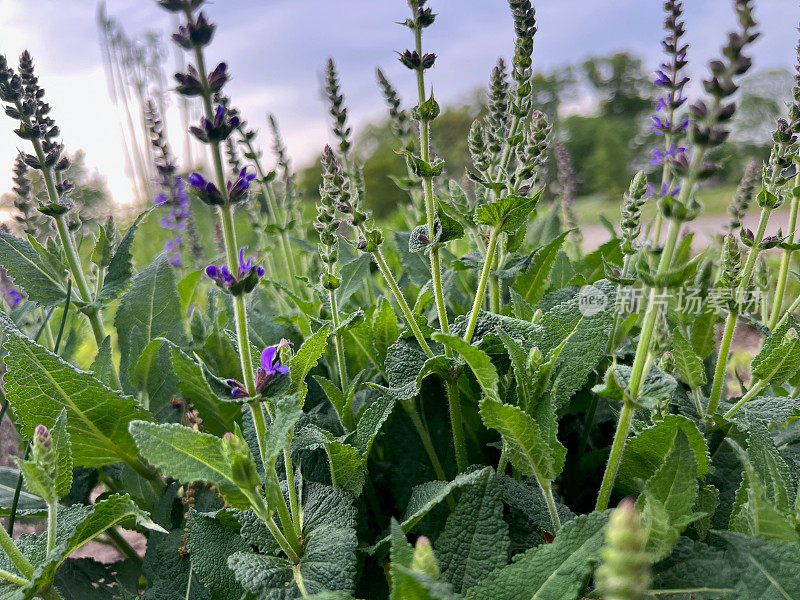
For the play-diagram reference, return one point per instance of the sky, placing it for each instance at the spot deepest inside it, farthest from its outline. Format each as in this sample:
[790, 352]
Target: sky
[276, 50]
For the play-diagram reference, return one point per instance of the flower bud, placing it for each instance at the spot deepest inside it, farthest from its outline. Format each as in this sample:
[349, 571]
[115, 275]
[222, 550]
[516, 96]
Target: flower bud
[424, 561]
[243, 466]
[43, 452]
[625, 572]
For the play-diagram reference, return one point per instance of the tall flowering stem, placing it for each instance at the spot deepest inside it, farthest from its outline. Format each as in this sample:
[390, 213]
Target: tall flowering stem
[672, 83]
[216, 126]
[333, 191]
[425, 112]
[707, 130]
[25, 103]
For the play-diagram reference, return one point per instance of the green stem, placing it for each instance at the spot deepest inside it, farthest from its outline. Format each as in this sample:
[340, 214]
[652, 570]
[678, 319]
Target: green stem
[7, 545]
[487, 266]
[426, 439]
[294, 506]
[503, 462]
[494, 283]
[615, 457]
[10, 577]
[547, 491]
[722, 362]
[430, 206]
[454, 402]
[286, 521]
[280, 538]
[408, 315]
[337, 341]
[52, 521]
[786, 259]
[50, 593]
[121, 544]
[757, 387]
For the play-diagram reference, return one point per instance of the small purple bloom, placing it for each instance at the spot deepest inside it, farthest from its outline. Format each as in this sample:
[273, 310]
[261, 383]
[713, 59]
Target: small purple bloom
[14, 297]
[270, 365]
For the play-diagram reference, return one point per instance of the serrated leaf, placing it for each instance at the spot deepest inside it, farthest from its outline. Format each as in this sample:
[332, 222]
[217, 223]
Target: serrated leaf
[528, 449]
[532, 284]
[385, 330]
[475, 539]
[354, 276]
[210, 542]
[645, 452]
[694, 571]
[39, 385]
[408, 583]
[369, 425]
[120, 269]
[556, 571]
[519, 359]
[103, 363]
[218, 416]
[348, 470]
[188, 455]
[766, 569]
[690, 366]
[305, 360]
[63, 473]
[478, 361]
[770, 410]
[151, 308]
[508, 213]
[24, 265]
[779, 357]
[329, 559]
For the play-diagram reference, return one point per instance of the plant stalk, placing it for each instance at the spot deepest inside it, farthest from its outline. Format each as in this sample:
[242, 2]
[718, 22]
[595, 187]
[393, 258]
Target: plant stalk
[487, 267]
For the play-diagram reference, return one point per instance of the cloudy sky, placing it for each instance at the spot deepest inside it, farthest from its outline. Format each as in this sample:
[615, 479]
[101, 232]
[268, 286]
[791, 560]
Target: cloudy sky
[276, 49]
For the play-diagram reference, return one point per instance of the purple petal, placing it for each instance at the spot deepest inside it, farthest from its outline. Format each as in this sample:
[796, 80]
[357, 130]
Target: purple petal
[267, 357]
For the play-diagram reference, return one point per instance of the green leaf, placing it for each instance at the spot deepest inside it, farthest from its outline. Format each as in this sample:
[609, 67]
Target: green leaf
[675, 482]
[329, 559]
[348, 469]
[695, 571]
[508, 213]
[210, 542]
[475, 539]
[63, 474]
[519, 359]
[28, 503]
[305, 360]
[669, 497]
[27, 269]
[478, 361]
[767, 569]
[342, 405]
[645, 453]
[556, 571]
[385, 330]
[369, 425]
[39, 385]
[218, 416]
[120, 269]
[690, 366]
[354, 276]
[103, 363]
[188, 455]
[526, 445]
[771, 410]
[287, 414]
[151, 308]
[779, 357]
[532, 284]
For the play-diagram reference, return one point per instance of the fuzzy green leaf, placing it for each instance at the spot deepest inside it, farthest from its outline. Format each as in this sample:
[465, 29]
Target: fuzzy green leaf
[329, 559]
[23, 263]
[532, 284]
[218, 416]
[385, 330]
[305, 360]
[39, 385]
[475, 539]
[369, 425]
[645, 453]
[151, 308]
[508, 213]
[188, 455]
[556, 571]
[478, 361]
[210, 542]
[28, 503]
[690, 366]
[103, 363]
[767, 569]
[120, 269]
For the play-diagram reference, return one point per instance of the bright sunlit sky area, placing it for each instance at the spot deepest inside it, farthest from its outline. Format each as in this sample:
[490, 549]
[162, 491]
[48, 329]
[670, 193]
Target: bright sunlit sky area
[276, 49]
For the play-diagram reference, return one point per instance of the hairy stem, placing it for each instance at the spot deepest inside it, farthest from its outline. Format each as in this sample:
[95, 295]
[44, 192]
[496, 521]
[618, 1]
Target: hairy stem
[615, 457]
[484, 276]
[722, 362]
[15, 555]
[454, 402]
[786, 259]
[547, 491]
